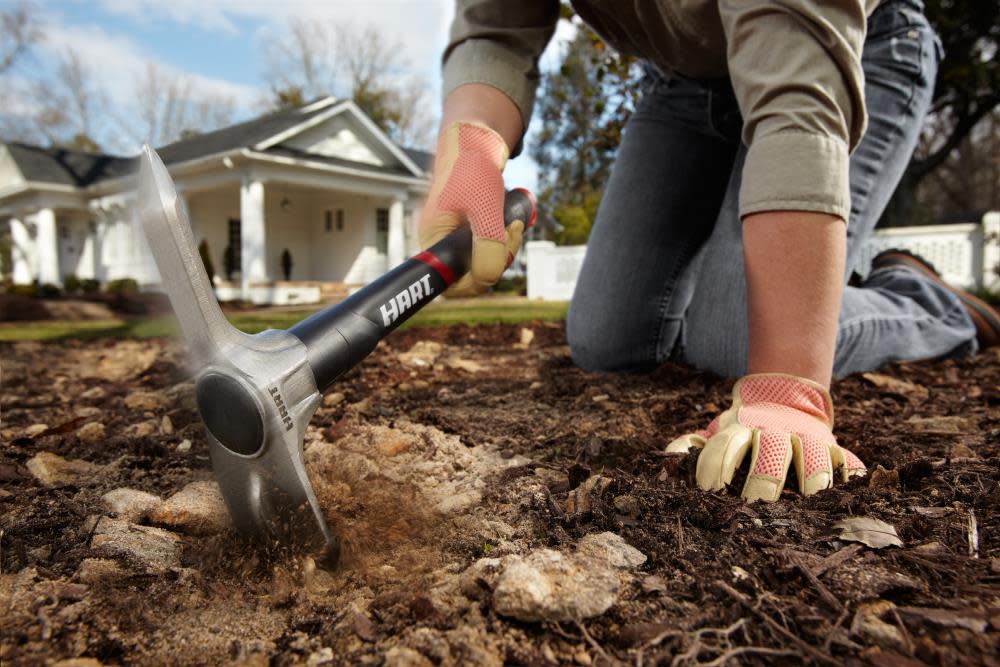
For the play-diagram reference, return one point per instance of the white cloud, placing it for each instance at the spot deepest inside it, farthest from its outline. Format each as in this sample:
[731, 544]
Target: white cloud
[119, 62]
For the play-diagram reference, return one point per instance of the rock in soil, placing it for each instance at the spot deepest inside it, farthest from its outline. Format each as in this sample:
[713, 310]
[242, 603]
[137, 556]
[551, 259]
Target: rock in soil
[400, 656]
[130, 504]
[610, 548]
[53, 470]
[423, 354]
[153, 550]
[197, 509]
[143, 400]
[586, 496]
[98, 570]
[548, 585]
[91, 432]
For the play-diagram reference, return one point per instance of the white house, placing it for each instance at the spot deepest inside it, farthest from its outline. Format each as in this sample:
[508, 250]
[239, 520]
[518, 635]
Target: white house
[321, 181]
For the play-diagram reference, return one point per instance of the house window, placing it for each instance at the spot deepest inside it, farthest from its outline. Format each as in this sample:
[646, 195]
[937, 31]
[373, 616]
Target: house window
[382, 230]
[328, 217]
[235, 243]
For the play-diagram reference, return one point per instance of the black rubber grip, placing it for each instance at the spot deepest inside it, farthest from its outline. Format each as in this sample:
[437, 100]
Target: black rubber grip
[338, 337]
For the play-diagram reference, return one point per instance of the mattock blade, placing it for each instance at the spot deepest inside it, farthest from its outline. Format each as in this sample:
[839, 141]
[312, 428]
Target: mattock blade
[168, 231]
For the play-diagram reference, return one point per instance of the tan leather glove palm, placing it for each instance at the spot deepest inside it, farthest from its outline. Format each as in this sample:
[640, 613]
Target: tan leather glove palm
[779, 419]
[468, 185]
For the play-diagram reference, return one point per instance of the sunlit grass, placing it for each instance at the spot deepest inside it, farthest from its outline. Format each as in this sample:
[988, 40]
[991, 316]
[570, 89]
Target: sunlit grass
[473, 311]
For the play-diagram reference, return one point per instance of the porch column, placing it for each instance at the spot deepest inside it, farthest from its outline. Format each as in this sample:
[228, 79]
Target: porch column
[48, 247]
[253, 246]
[21, 251]
[396, 250]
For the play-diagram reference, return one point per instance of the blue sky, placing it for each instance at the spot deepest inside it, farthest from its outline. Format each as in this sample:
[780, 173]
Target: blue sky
[217, 41]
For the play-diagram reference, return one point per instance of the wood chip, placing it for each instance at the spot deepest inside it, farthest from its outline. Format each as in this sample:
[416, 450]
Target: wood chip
[947, 618]
[891, 385]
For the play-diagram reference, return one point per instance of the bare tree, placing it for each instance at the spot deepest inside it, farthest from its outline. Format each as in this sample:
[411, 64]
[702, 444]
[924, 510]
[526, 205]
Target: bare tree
[313, 59]
[299, 62]
[172, 106]
[70, 107]
[19, 31]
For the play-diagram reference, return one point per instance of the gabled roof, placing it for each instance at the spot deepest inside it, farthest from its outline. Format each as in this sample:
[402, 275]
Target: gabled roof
[241, 135]
[61, 166]
[79, 169]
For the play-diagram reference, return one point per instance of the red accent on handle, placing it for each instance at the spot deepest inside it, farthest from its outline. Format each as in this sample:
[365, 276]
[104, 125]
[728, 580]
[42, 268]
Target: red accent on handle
[432, 261]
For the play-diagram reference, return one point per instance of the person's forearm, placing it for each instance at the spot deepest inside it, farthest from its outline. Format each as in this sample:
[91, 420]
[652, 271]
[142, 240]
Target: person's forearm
[479, 103]
[794, 269]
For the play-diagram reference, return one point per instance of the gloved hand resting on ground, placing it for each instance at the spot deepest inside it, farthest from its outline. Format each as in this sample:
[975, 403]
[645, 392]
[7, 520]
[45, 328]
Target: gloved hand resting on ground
[779, 419]
[468, 185]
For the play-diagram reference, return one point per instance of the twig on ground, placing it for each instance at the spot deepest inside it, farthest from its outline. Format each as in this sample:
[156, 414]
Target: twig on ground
[835, 559]
[820, 587]
[836, 627]
[740, 650]
[774, 625]
[594, 645]
[697, 647]
[680, 535]
[973, 535]
[905, 632]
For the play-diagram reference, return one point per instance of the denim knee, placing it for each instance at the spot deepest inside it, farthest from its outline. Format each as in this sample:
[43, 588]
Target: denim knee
[599, 342]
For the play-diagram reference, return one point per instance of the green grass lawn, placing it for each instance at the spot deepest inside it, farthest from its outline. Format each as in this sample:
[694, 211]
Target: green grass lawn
[472, 311]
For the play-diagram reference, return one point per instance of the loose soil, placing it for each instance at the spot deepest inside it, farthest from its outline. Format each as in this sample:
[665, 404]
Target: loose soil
[471, 451]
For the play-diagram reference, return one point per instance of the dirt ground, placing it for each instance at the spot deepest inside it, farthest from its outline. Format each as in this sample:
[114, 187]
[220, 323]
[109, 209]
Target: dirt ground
[443, 464]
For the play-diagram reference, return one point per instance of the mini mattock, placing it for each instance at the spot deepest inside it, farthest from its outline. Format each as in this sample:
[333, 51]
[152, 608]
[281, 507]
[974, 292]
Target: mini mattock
[257, 393]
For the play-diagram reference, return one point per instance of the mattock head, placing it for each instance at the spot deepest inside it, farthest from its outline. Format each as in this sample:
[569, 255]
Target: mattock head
[256, 394]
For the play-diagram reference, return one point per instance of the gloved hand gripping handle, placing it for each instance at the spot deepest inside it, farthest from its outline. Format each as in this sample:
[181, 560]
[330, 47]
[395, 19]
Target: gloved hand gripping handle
[339, 337]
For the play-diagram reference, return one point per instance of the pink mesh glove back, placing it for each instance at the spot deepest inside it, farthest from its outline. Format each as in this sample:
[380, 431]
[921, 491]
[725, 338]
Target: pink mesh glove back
[780, 419]
[468, 185]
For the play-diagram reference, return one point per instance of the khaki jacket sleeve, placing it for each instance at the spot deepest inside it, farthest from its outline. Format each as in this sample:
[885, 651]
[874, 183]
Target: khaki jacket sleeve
[796, 71]
[498, 43]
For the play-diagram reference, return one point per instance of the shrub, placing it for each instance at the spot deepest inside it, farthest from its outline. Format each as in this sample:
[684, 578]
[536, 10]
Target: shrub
[71, 283]
[18, 308]
[206, 259]
[122, 286]
[24, 290]
[229, 261]
[89, 286]
[512, 285]
[49, 291]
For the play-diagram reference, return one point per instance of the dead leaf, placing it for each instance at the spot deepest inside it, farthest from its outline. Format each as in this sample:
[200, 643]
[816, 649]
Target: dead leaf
[891, 385]
[880, 478]
[871, 532]
[940, 425]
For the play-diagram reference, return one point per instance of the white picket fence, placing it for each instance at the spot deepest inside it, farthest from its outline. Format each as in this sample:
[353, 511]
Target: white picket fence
[967, 255]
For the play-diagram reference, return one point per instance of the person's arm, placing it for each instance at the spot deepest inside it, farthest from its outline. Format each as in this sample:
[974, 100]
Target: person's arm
[482, 103]
[795, 275]
[796, 72]
[490, 76]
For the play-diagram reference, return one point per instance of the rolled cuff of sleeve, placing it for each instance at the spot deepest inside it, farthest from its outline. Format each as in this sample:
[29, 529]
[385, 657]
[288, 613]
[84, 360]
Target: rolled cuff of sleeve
[487, 62]
[796, 171]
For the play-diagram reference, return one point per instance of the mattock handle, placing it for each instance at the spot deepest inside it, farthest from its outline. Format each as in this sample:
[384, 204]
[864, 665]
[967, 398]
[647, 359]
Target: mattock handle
[339, 337]
[182, 273]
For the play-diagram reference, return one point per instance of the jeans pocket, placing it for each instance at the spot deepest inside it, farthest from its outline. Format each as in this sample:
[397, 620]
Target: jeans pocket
[901, 50]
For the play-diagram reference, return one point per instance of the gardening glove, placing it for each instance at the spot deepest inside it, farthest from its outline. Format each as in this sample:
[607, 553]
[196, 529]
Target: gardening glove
[779, 419]
[468, 185]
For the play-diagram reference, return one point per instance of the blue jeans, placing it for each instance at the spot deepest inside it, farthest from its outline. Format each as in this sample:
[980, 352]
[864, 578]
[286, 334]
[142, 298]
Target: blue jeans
[663, 276]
